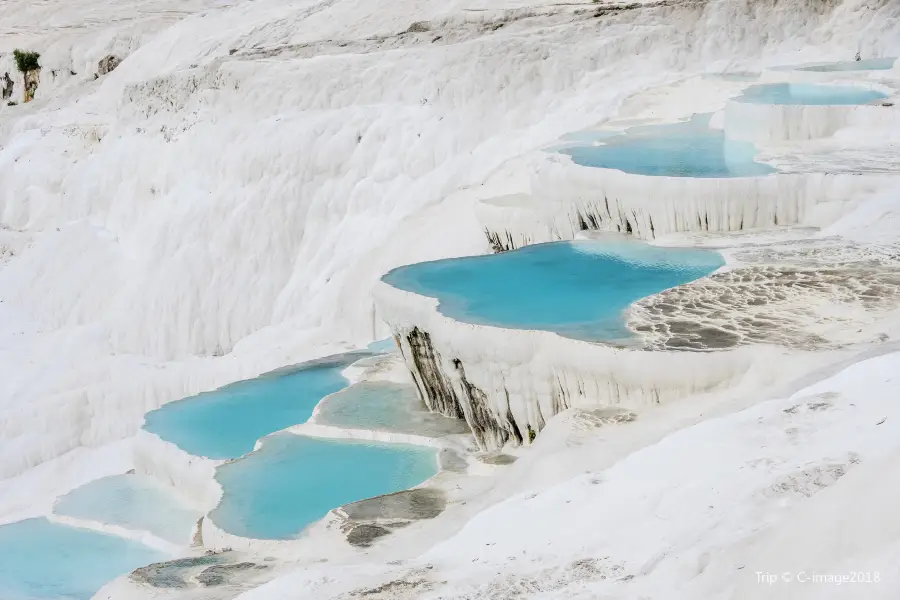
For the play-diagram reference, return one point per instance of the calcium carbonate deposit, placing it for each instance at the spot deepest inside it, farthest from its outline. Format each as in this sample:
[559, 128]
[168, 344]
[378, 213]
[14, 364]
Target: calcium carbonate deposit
[211, 211]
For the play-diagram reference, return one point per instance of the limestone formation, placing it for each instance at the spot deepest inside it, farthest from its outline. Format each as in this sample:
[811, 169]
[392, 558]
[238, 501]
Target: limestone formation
[415, 504]
[794, 297]
[6, 86]
[362, 536]
[222, 574]
[779, 306]
[28, 64]
[108, 64]
[32, 80]
[569, 199]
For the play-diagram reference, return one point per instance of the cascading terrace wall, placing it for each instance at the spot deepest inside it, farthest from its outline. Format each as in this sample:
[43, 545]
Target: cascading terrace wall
[568, 198]
[507, 383]
[782, 123]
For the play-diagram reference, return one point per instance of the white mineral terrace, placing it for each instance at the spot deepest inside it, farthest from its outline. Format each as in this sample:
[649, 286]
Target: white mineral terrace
[788, 123]
[202, 191]
[193, 477]
[568, 198]
[557, 198]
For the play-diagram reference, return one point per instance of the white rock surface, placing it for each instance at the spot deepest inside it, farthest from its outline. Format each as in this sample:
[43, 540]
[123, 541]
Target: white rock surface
[566, 198]
[507, 381]
[224, 202]
[783, 123]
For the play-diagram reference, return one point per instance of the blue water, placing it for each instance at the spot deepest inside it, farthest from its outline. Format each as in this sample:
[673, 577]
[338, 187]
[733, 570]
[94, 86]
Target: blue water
[380, 405]
[382, 346]
[40, 560]
[132, 501]
[293, 481]
[807, 94]
[385, 406]
[226, 423]
[577, 289]
[687, 149]
[870, 64]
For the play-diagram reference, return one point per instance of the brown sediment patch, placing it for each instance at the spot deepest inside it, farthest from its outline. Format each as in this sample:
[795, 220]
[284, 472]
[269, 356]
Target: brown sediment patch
[773, 303]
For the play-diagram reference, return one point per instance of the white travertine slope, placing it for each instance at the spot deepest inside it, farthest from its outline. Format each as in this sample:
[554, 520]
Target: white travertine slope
[794, 485]
[224, 201]
[567, 198]
[508, 382]
[239, 191]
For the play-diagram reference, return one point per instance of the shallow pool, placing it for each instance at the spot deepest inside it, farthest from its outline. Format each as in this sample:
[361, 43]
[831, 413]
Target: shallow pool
[870, 64]
[132, 501]
[577, 289]
[382, 346]
[226, 423]
[686, 149]
[293, 481]
[808, 94]
[40, 560]
[385, 406]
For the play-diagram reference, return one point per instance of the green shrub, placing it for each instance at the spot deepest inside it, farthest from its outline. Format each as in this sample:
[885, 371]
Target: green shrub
[531, 434]
[26, 61]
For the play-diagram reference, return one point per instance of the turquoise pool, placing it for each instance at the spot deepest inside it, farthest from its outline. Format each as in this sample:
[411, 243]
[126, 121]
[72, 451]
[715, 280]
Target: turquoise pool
[385, 406]
[226, 423]
[686, 149]
[293, 481]
[40, 560]
[577, 289]
[132, 501]
[808, 94]
[382, 346]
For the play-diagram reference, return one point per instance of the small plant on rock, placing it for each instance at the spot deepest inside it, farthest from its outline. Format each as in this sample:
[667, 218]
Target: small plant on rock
[531, 434]
[27, 61]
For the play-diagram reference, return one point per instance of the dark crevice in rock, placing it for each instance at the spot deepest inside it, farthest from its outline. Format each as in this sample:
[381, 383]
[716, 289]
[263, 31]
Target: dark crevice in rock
[582, 224]
[6, 86]
[461, 401]
[515, 429]
[497, 243]
[540, 418]
[434, 387]
[509, 416]
[481, 421]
